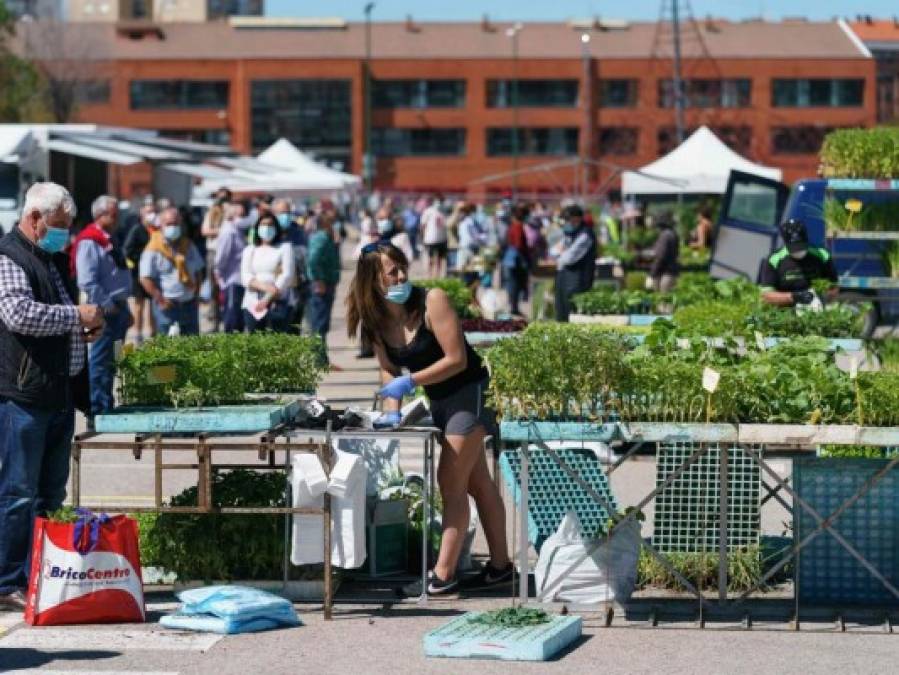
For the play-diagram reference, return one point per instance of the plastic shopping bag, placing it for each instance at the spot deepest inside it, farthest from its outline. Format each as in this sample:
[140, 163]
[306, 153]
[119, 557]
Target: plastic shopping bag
[85, 572]
[568, 571]
[231, 609]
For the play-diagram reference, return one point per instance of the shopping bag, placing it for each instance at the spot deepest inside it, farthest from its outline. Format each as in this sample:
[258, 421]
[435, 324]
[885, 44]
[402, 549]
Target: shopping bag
[85, 572]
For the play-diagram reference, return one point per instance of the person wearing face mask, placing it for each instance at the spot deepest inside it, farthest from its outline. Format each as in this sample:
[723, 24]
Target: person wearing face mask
[267, 273]
[576, 263]
[787, 274]
[295, 234]
[390, 231]
[135, 242]
[104, 278]
[42, 375]
[171, 272]
[418, 331]
[664, 269]
[323, 273]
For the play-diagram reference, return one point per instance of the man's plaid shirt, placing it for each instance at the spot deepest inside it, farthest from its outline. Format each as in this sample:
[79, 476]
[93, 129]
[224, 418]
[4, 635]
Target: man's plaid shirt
[21, 313]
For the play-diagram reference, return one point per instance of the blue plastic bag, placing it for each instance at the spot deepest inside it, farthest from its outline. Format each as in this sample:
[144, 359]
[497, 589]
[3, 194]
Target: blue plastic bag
[231, 609]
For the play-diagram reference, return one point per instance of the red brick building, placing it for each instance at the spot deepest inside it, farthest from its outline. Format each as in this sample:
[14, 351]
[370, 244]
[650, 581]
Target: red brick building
[444, 100]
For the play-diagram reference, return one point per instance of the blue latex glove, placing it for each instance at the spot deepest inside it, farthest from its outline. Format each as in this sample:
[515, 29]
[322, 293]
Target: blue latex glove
[398, 387]
[388, 419]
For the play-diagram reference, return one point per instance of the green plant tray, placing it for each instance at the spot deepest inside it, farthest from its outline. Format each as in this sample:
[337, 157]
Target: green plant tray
[460, 638]
[213, 419]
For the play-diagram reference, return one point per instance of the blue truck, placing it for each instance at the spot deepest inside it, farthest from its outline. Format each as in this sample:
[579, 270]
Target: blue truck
[747, 233]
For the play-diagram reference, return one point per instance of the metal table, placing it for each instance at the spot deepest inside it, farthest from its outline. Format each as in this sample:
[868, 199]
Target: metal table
[426, 435]
[204, 448]
[789, 437]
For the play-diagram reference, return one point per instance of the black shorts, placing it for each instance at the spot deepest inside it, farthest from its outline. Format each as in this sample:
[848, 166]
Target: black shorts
[137, 291]
[438, 250]
[459, 413]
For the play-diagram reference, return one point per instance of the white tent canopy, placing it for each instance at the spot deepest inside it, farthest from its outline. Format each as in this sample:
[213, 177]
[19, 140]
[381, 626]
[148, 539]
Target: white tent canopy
[699, 165]
[286, 156]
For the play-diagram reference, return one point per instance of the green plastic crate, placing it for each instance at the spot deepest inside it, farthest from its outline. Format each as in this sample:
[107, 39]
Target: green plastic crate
[552, 493]
[686, 512]
[828, 573]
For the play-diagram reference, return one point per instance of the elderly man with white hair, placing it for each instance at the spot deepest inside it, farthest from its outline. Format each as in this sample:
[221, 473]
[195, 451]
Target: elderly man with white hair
[103, 276]
[42, 338]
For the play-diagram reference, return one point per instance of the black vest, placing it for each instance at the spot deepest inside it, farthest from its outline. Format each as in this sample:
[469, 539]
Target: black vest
[34, 371]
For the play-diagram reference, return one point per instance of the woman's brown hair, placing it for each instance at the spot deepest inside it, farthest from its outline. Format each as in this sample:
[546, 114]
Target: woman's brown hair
[366, 305]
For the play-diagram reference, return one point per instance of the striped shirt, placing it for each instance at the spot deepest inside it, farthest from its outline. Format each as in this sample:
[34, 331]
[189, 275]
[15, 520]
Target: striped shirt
[21, 313]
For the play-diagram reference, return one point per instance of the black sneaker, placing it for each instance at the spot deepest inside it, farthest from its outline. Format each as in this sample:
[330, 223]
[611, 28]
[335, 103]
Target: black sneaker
[490, 577]
[436, 586]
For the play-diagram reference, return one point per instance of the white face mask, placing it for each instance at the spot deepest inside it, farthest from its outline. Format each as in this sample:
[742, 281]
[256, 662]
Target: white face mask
[799, 255]
[384, 226]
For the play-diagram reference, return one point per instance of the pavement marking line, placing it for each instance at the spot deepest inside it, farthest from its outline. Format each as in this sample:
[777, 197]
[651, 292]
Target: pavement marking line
[75, 638]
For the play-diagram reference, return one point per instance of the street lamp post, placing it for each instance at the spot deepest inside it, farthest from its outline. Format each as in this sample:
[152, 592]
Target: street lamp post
[368, 161]
[513, 34]
[587, 142]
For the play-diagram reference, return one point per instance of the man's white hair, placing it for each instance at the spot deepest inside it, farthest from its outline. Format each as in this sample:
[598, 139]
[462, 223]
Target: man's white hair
[102, 205]
[48, 198]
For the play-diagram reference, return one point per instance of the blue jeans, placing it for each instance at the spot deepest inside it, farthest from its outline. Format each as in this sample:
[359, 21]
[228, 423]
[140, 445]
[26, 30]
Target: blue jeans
[185, 314]
[233, 315]
[34, 467]
[319, 313]
[102, 363]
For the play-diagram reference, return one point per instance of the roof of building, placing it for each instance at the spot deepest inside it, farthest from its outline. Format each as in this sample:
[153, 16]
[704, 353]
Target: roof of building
[878, 33]
[399, 40]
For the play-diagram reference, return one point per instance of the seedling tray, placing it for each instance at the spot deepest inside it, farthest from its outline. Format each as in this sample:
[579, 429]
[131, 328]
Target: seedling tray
[463, 639]
[213, 419]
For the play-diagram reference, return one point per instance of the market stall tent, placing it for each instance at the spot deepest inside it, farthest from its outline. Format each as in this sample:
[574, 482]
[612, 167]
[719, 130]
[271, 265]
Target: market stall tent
[699, 165]
[285, 155]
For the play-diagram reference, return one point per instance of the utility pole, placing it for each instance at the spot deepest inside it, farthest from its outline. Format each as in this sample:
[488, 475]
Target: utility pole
[368, 161]
[513, 34]
[587, 141]
[678, 81]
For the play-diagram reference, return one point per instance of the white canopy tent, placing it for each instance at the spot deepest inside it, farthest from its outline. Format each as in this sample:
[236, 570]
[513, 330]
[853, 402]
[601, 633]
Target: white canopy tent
[285, 155]
[699, 165]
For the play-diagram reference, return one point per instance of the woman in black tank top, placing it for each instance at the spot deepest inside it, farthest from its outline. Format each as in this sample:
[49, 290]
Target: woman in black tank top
[419, 331]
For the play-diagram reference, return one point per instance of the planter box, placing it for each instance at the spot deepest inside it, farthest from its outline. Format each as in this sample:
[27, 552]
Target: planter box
[295, 591]
[387, 538]
[604, 319]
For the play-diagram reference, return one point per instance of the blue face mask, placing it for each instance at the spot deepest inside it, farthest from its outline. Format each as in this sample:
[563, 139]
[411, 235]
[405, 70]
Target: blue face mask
[55, 240]
[284, 220]
[570, 228]
[171, 232]
[267, 232]
[384, 226]
[399, 293]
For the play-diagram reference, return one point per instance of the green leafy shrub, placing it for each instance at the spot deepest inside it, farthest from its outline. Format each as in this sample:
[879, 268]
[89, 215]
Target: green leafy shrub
[608, 301]
[459, 294]
[861, 153]
[219, 368]
[213, 547]
[744, 569]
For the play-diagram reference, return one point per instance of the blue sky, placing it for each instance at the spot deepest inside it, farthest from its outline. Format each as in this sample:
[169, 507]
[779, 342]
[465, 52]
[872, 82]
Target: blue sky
[517, 10]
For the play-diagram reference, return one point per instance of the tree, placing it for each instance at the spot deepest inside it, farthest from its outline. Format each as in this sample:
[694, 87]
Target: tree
[21, 86]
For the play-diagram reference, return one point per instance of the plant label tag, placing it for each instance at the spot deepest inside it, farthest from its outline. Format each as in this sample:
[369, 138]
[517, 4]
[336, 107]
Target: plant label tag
[162, 375]
[710, 379]
[853, 367]
[760, 341]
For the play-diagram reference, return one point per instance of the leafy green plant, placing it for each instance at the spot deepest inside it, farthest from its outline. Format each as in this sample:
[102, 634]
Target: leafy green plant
[861, 153]
[857, 451]
[744, 569]
[459, 294]
[219, 368]
[212, 547]
[512, 617]
[605, 300]
[64, 514]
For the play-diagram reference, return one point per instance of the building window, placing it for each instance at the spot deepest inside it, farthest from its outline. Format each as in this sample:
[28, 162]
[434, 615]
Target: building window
[618, 140]
[91, 92]
[532, 93]
[418, 93]
[220, 8]
[800, 140]
[618, 93]
[428, 142]
[708, 93]
[179, 94]
[532, 141]
[211, 136]
[314, 115]
[737, 138]
[815, 93]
